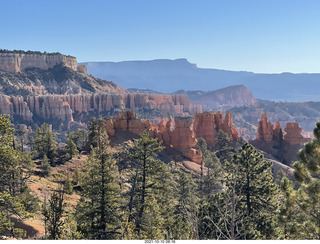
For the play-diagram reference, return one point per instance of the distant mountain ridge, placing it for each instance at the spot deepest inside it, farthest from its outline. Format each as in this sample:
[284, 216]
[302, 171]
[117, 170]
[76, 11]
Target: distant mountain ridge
[222, 99]
[164, 75]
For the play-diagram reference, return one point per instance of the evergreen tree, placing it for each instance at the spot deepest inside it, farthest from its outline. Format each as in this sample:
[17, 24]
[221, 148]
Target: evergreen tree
[185, 225]
[71, 148]
[53, 213]
[92, 127]
[15, 169]
[98, 212]
[45, 142]
[307, 173]
[246, 209]
[45, 166]
[224, 150]
[148, 190]
[79, 137]
[211, 179]
[68, 186]
[260, 193]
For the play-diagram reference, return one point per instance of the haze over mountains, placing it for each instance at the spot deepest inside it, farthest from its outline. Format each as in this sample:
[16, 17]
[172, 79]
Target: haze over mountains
[164, 75]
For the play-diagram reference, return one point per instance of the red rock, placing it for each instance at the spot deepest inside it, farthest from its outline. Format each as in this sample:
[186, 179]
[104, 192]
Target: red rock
[265, 129]
[228, 126]
[207, 125]
[183, 139]
[204, 126]
[293, 134]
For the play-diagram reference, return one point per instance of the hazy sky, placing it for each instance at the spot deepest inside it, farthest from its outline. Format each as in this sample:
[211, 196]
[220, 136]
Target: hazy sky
[260, 36]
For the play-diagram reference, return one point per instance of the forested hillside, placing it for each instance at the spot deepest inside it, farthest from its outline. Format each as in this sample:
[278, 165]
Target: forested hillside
[96, 187]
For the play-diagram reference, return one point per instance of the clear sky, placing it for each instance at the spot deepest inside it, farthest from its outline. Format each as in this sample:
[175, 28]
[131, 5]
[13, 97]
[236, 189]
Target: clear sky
[270, 36]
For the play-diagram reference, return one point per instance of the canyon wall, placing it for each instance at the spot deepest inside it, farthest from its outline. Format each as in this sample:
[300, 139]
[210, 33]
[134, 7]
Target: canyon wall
[17, 62]
[62, 107]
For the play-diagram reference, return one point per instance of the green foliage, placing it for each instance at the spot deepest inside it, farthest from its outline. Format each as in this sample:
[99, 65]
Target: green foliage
[150, 198]
[223, 146]
[245, 209]
[98, 211]
[307, 198]
[45, 142]
[71, 148]
[45, 166]
[185, 224]
[79, 137]
[211, 179]
[68, 186]
[15, 169]
[53, 213]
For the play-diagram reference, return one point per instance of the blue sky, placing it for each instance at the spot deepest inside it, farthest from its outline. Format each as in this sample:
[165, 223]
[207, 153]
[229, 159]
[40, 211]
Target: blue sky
[262, 36]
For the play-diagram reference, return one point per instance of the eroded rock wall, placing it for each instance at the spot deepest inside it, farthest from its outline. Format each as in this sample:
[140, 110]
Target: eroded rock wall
[17, 62]
[62, 107]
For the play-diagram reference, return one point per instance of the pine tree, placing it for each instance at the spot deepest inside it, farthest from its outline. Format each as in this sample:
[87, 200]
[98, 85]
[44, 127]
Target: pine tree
[98, 212]
[185, 225]
[246, 209]
[15, 169]
[45, 166]
[211, 179]
[71, 148]
[45, 142]
[148, 190]
[259, 191]
[307, 173]
[53, 213]
[79, 137]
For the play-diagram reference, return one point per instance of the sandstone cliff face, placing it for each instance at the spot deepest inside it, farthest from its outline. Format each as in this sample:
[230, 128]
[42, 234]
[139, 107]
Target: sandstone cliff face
[15, 106]
[208, 124]
[17, 62]
[62, 107]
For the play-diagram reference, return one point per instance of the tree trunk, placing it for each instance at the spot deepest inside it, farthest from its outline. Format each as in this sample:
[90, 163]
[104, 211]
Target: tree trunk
[142, 195]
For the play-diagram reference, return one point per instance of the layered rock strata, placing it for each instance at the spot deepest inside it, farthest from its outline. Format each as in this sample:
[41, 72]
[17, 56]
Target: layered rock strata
[17, 62]
[62, 107]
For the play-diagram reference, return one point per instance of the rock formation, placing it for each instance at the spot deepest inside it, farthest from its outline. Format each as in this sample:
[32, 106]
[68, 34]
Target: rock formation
[293, 134]
[268, 133]
[62, 107]
[50, 86]
[284, 149]
[265, 129]
[82, 69]
[208, 124]
[11, 61]
[181, 137]
[15, 106]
